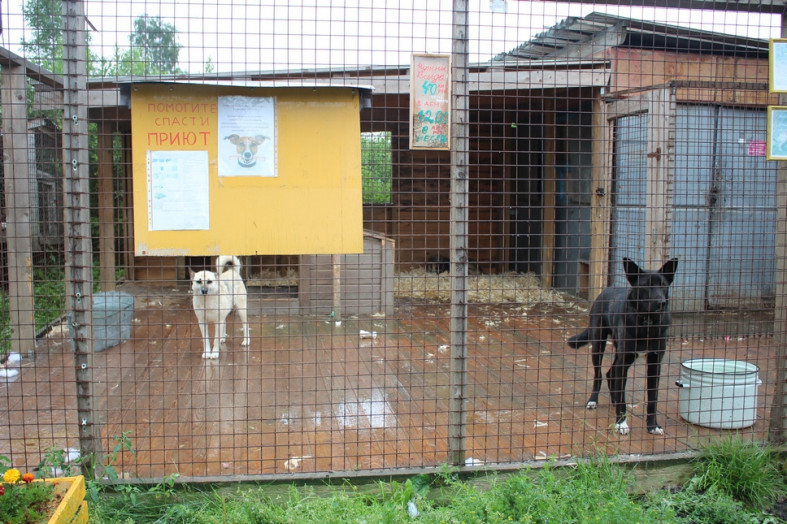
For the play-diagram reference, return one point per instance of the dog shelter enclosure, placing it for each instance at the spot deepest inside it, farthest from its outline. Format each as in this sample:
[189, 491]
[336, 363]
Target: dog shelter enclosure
[409, 306]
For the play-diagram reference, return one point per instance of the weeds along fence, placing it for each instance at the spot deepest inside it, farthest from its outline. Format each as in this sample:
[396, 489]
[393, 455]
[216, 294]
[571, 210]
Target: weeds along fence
[424, 198]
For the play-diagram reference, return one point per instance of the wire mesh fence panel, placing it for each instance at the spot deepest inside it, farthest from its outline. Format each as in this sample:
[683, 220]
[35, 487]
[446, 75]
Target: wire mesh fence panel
[332, 238]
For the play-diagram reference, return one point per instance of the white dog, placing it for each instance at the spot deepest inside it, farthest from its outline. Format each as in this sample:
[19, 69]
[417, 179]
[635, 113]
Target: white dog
[216, 295]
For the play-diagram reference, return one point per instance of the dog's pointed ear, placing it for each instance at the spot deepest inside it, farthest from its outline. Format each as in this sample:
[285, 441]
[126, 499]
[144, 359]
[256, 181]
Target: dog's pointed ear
[632, 270]
[668, 269]
[260, 139]
[232, 138]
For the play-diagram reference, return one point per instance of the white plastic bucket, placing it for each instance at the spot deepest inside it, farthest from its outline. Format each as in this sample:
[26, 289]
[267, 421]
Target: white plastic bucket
[719, 393]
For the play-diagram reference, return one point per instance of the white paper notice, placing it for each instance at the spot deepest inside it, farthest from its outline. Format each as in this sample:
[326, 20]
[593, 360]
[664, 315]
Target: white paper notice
[247, 136]
[178, 186]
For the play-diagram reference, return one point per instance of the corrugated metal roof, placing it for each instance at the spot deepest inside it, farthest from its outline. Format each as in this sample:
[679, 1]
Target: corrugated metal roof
[592, 34]
[274, 83]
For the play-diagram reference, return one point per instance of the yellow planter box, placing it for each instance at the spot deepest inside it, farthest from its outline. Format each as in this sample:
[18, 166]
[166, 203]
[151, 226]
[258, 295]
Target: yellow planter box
[73, 508]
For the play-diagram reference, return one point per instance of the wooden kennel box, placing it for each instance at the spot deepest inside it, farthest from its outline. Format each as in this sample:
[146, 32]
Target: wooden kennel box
[357, 284]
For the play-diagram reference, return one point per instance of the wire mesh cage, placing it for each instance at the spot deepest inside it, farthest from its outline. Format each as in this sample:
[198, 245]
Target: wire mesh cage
[332, 238]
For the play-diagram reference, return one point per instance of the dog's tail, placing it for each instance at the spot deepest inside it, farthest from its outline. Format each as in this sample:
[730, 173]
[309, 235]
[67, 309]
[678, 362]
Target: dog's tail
[225, 262]
[577, 341]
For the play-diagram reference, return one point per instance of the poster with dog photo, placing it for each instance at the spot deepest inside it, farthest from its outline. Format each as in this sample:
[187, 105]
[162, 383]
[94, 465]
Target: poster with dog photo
[247, 136]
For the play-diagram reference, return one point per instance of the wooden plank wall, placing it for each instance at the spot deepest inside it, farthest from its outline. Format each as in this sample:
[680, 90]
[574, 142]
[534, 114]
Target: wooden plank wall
[638, 68]
[421, 189]
[365, 281]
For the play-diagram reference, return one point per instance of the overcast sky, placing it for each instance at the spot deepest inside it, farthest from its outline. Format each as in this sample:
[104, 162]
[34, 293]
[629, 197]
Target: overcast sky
[301, 34]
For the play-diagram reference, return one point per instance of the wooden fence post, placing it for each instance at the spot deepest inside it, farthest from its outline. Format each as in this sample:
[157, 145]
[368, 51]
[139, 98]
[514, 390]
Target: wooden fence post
[19, 233]
[106, 207]
[457, 416]
[660, 170]
[79, 252]
[778, 414]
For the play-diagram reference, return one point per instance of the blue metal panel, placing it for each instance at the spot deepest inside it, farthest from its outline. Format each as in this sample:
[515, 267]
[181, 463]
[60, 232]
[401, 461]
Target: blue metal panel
[689, 242]
[742, 262]
[694, 156]
[741, 271]
[748, 180]
[695, 152]
[723, 225]
[629, 194]
[631, 142]
[628, 240]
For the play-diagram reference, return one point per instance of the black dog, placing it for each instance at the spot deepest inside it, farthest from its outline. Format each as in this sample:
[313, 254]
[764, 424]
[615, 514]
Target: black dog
[637, 319]
[438, 264]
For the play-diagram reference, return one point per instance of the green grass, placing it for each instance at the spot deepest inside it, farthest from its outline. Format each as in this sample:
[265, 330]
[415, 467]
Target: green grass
[591, 491]
[587, 493]
[744, 471]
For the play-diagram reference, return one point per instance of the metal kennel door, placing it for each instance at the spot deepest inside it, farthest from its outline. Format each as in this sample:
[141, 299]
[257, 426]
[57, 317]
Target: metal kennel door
[723, 217]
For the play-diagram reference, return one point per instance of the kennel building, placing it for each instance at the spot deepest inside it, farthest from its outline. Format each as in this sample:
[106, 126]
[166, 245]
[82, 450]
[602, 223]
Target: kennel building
[543, 184]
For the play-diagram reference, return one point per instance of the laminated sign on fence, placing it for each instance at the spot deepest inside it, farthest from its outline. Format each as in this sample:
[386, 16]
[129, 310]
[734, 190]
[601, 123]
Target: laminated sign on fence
[430, 102]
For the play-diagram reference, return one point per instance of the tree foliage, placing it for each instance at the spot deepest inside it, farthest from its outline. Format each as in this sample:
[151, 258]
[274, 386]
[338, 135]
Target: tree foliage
[154, 48]
[155, 42]
[45, 47]
[124, 63]
[376, 167]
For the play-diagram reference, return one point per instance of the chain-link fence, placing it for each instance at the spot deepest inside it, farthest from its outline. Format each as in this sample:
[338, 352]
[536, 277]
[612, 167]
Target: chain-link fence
[423, 199]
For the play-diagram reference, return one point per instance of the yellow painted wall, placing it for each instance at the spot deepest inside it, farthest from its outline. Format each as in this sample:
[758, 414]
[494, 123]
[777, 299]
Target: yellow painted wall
[313, 206]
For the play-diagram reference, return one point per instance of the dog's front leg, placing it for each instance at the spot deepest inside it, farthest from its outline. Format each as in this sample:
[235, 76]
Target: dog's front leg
[218, 337]
[616, 379]
[654, 373]
[204, 328]
[222, 330]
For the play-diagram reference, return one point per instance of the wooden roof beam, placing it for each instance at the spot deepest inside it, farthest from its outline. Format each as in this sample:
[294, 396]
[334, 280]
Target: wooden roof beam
[9, 59]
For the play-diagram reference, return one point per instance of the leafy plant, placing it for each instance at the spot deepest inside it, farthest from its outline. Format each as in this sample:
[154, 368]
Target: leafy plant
[746, 471]
[376, 167]
[5, 464]
[21, 500]
[49, 295]
[117, 501]
[122, 443]
[20, 504]
[55, 463]
[591, 491]
[711, 507]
